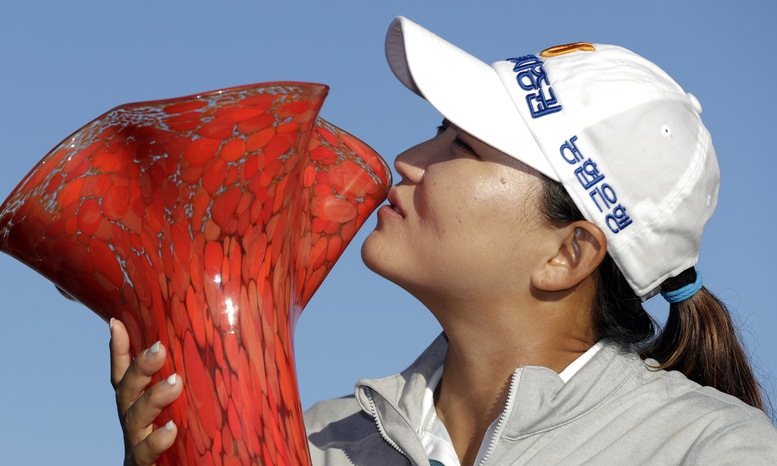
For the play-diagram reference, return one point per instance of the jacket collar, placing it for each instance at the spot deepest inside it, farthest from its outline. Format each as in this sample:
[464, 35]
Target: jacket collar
[540, 399]
[395, 402]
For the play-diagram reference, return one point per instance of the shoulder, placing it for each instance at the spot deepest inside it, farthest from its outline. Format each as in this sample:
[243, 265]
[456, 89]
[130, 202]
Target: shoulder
[658, 416]
[730, 429]
[715, 426]
[674, 391]
[751, 440]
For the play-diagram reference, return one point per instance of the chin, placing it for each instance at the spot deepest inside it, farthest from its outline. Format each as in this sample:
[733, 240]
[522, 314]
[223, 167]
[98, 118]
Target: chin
[391, 264]
[371, 253]
[383, 259]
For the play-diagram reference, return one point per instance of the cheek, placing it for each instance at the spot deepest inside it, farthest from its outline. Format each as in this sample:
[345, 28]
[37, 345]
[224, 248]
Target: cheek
[470, 206]
[495, 215]
[443, 195]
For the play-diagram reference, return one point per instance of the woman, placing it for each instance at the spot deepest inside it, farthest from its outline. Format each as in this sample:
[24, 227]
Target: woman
[562, 189]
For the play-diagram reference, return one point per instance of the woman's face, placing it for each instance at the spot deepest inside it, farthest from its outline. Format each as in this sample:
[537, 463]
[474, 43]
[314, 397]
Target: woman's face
[463, 223]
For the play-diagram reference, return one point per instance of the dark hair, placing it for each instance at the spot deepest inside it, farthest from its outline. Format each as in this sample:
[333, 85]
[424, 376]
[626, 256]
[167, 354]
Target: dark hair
[699, 338]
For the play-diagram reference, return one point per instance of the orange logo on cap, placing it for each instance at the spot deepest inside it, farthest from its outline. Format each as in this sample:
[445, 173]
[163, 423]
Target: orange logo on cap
[567, 48]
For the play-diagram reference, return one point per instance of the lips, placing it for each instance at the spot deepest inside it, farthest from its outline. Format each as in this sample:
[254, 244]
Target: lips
[393, 199]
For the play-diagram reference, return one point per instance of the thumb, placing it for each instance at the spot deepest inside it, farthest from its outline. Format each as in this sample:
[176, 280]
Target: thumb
[120, 351]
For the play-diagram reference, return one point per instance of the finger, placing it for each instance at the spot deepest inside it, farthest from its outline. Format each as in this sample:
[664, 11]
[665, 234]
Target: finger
[147, 451]
[120, 351]
[138, 376]
[139, 416]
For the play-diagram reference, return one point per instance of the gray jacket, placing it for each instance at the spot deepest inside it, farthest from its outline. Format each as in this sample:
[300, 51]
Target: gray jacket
[615, 410]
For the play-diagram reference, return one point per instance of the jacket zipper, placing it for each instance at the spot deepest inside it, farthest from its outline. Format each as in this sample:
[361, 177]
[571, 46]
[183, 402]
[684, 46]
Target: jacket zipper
[501, 422]
[383, 433]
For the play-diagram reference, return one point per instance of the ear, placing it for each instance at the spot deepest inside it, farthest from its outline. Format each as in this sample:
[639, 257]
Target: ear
[580, 252]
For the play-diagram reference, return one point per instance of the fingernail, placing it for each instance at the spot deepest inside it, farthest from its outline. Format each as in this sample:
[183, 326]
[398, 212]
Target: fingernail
[169, 426]
[172, 379]
[110, 324]
[153, 350]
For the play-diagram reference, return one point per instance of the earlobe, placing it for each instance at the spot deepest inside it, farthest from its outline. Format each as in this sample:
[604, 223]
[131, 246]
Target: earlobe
[579, 254]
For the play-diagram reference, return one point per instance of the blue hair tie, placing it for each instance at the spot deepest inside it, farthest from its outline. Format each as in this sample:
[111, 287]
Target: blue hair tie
[683, 293]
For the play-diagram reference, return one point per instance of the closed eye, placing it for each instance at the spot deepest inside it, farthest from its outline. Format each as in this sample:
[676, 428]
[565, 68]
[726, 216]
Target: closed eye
[466, 147]
[458, 142]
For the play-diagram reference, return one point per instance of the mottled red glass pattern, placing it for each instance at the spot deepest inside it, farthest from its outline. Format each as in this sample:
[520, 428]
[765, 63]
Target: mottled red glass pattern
[206, 222]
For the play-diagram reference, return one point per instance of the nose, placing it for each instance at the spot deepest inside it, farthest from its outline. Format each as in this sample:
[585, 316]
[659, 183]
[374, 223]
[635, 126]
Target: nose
[411, 164]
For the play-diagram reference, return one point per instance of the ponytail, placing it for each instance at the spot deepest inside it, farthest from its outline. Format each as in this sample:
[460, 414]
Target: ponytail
[699, 338]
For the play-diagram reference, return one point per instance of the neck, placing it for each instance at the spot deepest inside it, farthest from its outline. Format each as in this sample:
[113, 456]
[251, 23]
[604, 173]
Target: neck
[486, 345]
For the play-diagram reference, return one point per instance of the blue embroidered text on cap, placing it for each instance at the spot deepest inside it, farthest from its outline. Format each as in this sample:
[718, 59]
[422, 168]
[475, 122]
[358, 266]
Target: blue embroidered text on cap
[531, 77]
[591, 179]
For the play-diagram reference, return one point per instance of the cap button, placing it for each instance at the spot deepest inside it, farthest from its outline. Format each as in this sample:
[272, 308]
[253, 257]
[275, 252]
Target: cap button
[695, 102]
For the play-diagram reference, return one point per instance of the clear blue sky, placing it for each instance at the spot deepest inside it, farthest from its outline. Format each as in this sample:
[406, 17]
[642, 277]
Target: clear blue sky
[64, 63]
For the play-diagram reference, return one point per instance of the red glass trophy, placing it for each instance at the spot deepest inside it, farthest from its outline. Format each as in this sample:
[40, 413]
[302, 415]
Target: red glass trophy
[206, 222]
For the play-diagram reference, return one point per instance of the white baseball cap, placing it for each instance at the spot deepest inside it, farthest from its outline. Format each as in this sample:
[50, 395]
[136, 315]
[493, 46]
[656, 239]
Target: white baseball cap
[625, 140]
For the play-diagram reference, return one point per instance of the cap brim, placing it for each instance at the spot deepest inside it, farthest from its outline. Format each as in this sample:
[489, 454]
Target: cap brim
[465, 90]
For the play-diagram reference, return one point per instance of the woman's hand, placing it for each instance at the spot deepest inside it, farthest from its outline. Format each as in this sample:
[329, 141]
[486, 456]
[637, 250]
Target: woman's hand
[139, 404]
